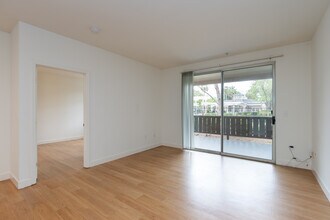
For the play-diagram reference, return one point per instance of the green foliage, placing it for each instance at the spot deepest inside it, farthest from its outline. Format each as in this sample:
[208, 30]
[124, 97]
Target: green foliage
[229, 92]
[198, 93]
[261, 90]
[211, 101]
[199, 102]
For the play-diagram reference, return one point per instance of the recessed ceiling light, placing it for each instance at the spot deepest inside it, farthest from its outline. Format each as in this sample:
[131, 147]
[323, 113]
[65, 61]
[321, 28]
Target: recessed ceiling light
[94, 29]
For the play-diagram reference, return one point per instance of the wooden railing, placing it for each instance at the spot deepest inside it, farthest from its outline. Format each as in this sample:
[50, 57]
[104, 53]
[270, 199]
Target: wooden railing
[242, 126]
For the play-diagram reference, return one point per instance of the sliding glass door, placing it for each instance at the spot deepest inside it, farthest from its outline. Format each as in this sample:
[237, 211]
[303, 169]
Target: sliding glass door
[248, 111]
[231, 112]
[207, 93]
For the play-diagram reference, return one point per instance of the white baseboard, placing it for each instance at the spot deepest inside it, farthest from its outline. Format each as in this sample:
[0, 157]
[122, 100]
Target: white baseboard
[22, 183]
[172, 145]
[120, 155]
[19, 184]
[4, 176]
[323, 186]
[59, 140]
[293, 164]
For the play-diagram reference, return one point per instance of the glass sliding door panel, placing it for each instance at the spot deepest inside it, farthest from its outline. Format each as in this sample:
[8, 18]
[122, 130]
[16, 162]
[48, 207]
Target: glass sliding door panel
[207, 112]
[187, 114]
[248, 109]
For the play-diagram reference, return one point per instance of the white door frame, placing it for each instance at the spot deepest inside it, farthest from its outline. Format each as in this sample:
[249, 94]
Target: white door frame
[86, 120]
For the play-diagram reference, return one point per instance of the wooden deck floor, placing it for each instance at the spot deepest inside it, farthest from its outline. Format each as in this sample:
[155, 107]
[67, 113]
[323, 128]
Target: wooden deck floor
[163, 183]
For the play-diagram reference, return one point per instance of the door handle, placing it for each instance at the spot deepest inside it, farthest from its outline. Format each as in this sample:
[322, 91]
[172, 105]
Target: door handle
[273, 120]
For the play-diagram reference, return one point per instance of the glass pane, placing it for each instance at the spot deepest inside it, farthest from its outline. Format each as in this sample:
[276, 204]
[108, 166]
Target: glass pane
[207, 112]
[248, 112]
[187, 94]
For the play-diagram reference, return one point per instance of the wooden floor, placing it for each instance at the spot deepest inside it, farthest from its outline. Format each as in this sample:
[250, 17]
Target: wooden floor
[163, 183]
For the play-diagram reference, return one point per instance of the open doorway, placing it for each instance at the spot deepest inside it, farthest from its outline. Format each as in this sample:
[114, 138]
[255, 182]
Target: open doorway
[60, 122]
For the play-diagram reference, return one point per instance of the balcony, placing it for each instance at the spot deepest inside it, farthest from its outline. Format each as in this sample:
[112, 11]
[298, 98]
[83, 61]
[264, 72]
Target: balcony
[243, 135]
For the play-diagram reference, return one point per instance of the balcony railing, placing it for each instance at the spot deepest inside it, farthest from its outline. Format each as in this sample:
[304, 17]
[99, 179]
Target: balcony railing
[242, 126]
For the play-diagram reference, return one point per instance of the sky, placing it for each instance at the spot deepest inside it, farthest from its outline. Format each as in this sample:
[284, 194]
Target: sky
[242, 87]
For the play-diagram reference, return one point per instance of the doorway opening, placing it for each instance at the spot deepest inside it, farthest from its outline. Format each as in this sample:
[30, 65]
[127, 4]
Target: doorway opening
[233, 112]
[60, 120]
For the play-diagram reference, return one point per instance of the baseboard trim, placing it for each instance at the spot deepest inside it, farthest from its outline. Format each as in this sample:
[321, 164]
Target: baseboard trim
[172, 145]
[323, 187]
[14, 180]
[294, 165]
[60, 140]
[120, 155]
[4, 176]
[22, 183]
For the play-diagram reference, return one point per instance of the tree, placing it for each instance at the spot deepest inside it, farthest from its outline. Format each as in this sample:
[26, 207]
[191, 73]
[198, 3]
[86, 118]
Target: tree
[210, 100]
[197, 93]
[217, 99]
[261, 90]
[229, 94]
[230, 91]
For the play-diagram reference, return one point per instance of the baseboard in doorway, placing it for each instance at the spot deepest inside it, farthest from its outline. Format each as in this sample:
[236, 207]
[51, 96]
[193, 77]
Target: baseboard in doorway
[323, 187]
[60, 140]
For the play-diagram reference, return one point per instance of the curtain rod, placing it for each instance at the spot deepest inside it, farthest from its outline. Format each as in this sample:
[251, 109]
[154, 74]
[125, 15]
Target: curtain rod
[242, 62]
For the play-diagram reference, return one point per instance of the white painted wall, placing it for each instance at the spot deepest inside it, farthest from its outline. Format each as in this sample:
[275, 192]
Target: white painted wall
[5, 125]
[60, 105]
[320, 103]
[14, 148]
[293, 99]
[124, 98]
[132, 104]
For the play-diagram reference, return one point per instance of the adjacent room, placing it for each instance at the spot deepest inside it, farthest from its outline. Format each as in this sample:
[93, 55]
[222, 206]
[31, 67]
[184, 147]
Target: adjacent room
[192, 109]
[60, 120]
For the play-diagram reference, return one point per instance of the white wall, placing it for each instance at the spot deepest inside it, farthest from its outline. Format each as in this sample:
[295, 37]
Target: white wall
[320, 103]
[5, 105]
[14, 145]
[293, 99]
[60, 105]
[124, 98]
[132, 104]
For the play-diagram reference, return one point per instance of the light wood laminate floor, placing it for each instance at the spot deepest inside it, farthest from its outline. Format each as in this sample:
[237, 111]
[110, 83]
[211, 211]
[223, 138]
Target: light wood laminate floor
[162, 183]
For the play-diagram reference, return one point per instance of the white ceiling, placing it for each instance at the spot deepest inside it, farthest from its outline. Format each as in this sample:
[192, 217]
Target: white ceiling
[167, 33]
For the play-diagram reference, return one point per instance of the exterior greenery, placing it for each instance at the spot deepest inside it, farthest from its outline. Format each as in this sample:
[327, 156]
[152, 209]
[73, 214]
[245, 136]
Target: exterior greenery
[260, 93]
